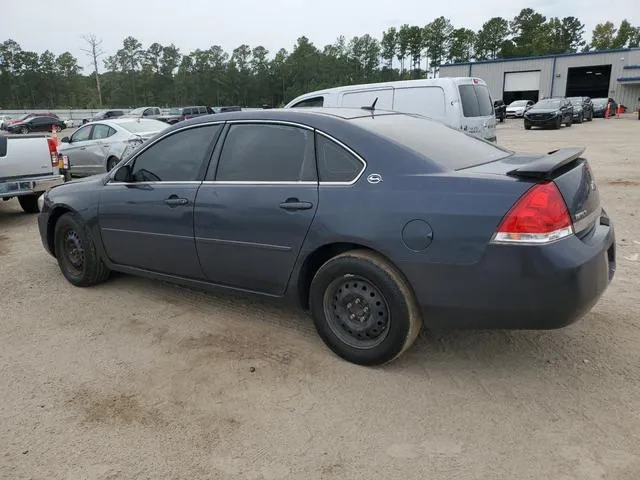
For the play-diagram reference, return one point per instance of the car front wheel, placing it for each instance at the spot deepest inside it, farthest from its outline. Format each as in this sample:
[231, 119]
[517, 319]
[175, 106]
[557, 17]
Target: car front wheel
[76, 253]
[363, 308]
[24, 130]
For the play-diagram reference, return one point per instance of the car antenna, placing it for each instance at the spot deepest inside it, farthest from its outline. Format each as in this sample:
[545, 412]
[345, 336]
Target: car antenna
[372, 107]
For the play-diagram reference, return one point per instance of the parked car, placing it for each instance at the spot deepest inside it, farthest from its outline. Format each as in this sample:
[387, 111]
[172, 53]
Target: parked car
[518, 108]
[98, 147]
[500, 110]
[353, 214]
[28, 167]
[27, 116]
[37, 124]
[145, 112]
[582, 109]
[463, 103]
[550, 112]
[175, 115]
[104, 115]
[600, 107]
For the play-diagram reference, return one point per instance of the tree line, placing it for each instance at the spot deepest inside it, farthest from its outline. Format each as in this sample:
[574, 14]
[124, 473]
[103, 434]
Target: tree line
[163, 75]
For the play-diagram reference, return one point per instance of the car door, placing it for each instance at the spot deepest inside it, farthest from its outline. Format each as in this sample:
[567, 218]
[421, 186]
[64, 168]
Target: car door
[254, 211]
[38, 124]
[76, 150]
[97, 148]
[147, 222]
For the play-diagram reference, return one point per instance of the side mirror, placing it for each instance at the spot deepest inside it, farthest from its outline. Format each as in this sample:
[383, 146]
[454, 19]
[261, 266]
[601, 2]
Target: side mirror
[65, 140]
[123, 174]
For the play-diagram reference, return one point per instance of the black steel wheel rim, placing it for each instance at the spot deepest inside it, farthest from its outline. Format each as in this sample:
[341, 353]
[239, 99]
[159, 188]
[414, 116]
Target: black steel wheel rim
[73, 252]
[357, 312]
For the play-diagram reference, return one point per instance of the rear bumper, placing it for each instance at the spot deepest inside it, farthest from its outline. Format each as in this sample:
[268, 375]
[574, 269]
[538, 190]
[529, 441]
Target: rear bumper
[518, 287]
[27, 186]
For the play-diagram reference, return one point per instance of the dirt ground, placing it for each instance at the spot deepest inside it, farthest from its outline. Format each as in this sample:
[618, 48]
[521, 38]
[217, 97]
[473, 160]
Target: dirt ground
[136, 379]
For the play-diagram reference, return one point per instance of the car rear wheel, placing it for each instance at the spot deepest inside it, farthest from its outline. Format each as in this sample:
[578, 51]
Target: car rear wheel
[363, 308]
[29, 203]
[76, 253]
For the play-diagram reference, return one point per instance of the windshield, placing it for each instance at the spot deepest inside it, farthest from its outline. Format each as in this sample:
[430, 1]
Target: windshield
[175, 111]
[600, 101]
[433, 140]
[549, 103]
[575, 101]
[518, 103]
[140, 126]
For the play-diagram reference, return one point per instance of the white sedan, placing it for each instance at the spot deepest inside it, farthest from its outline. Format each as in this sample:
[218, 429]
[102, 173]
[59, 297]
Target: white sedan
[98, 147]
[517, 108]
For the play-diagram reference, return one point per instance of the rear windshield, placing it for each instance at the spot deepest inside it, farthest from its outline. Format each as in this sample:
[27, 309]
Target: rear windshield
[518, 103]
[476, 101]
[135, 126]
[444, 145]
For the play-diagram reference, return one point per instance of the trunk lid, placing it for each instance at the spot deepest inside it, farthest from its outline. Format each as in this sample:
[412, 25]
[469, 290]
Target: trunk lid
[567, 169]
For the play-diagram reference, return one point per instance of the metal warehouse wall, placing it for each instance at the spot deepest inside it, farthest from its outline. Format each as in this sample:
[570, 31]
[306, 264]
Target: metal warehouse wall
[493, 73]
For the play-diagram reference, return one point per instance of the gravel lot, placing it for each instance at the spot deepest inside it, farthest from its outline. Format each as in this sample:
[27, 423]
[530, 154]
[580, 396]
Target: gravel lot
[139, 379]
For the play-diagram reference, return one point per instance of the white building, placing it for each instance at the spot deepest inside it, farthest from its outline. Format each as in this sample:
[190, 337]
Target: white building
[609, 73]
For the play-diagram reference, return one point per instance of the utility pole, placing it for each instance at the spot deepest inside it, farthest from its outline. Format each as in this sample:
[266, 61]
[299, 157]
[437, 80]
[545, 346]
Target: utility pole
[94, 52]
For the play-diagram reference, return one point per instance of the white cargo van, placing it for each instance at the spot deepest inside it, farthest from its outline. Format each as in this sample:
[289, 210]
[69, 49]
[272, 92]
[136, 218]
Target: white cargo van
[463, 103]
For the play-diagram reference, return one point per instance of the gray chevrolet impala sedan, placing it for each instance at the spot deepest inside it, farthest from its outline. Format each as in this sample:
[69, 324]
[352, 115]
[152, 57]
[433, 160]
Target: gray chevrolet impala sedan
[375, 222]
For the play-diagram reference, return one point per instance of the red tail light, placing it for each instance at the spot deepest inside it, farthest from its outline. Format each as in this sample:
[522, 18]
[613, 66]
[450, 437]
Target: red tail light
[539, 216]
[53, 151]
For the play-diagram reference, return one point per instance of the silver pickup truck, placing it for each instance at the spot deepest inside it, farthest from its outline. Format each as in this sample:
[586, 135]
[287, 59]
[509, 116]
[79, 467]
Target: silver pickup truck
[28, 167]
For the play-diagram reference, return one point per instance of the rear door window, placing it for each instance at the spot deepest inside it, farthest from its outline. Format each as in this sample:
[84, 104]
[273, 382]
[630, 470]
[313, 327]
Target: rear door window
[476, 101]
[267, 153]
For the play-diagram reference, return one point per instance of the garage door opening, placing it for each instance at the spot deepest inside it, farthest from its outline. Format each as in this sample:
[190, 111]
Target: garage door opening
[589, 81]
[521, 86]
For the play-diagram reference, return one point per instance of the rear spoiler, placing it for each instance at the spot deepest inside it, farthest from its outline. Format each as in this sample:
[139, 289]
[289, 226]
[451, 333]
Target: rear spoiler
[545, 166]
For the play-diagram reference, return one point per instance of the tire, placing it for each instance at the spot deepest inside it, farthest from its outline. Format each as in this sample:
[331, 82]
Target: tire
[527, 126]
[569, 123]
[24, 130]
[76, 253]
[111, 163]
[590, 119]
[58, 128]
[558, 123]
[390, 319]
[29, 203]
[581, 119]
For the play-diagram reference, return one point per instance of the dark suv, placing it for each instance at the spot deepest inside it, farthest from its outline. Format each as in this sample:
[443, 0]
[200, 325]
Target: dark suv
[582, 109]
[550, 112]
[104, 115]
[501, 110]
[176, 115]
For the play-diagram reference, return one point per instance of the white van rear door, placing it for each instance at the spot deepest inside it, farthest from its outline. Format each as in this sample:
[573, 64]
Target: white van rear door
[365, 98]
[477, 109]
[427, 101]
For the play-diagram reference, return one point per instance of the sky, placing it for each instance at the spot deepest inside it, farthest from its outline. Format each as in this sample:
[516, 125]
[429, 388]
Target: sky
[189, 24]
